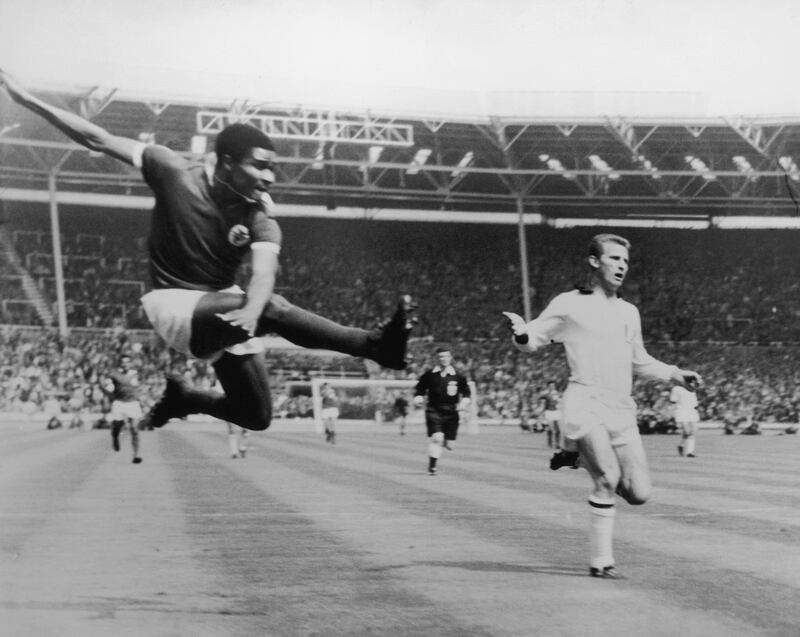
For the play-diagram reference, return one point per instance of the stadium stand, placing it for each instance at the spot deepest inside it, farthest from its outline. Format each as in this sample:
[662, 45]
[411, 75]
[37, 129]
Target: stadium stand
[725, 300]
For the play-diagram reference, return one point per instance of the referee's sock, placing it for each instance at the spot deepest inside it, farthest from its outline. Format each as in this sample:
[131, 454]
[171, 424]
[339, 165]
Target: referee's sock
[601, 531]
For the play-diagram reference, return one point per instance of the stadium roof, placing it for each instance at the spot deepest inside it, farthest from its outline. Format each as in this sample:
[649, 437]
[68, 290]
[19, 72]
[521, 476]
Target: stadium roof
[577, 166]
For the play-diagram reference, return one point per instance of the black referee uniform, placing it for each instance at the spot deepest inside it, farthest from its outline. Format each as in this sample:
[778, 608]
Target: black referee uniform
[444, 388]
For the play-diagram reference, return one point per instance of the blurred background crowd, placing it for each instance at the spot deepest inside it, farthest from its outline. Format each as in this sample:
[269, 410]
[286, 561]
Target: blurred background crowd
[725, 303]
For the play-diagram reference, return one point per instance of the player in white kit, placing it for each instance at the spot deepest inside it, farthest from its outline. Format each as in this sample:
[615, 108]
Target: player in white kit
[602, 336]
[686, 417]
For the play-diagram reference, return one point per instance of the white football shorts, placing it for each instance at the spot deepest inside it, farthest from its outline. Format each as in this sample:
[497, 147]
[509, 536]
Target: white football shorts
[552, 415]
[170, 313]
[584, 407]
[122, 409]
[687, 415]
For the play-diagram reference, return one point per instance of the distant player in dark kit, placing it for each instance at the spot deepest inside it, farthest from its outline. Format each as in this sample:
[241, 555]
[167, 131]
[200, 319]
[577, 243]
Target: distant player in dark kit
[447, 391]
[550, 402]
[208, 219]
[122, 387]
[400, 412]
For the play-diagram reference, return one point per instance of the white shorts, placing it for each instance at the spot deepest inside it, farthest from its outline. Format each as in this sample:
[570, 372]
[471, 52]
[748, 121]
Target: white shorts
[552, 415]
[122, 409]
[331, 413]
[687, 415]
[584, 408]
[170, 313]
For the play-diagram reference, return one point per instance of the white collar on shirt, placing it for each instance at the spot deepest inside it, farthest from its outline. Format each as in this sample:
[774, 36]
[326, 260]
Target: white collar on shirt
[447, 371]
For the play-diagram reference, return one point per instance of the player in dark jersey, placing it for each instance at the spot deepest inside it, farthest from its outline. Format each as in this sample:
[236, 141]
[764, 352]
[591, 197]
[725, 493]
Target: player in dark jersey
[447, 391]
[400, 411]
[207, 219]
[122, 388]
[549, 403]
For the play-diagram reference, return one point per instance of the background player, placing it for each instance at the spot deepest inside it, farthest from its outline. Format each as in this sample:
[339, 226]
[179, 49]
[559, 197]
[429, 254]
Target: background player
[550, 402]
[209, 219]
[330, 411]
[686, 418]
[447, 392]
[122, 387]
[602, 336]
[237, 440]
[400, 412]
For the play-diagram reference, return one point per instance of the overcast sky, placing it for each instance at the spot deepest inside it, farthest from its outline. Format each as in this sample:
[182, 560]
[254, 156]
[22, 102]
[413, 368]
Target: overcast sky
[740, 55]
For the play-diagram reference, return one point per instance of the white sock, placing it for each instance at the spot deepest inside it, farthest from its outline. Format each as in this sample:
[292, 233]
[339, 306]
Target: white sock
[601, 531]
[233, 444]
[689, 444]
[434, 450]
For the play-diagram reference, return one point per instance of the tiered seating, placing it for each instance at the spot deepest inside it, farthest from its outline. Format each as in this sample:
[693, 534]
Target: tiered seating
[737, 287]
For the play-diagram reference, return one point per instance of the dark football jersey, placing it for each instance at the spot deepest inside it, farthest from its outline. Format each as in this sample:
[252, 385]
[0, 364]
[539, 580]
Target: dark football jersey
[194, 244]
[551, 400]
[444, 390]
[401, 406]
[124, 385]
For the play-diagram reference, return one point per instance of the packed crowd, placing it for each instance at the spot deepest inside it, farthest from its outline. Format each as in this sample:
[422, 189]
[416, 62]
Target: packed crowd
[694, 289]
[762, 383]
[463, 275]
[38, 365]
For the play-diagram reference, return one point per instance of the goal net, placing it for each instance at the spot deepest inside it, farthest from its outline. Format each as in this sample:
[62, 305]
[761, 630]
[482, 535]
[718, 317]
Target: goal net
[372, 401]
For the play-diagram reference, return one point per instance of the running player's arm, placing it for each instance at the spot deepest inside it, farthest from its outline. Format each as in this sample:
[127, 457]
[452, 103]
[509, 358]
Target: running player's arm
[529, 337]
[421, 389]
[73, 126]
[465, 393]
[646, 365]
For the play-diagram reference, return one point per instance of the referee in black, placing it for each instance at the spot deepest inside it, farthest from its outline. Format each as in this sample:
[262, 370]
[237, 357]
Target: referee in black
[447, 391]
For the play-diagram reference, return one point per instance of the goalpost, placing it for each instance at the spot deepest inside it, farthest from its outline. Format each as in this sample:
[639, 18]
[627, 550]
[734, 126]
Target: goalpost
[371, 400]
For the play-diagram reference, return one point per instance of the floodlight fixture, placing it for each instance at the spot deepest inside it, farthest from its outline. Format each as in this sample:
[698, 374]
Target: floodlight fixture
[649, 166]
[787, 163]
[466, 160]
[319, 158]
[699, 166]
[555, 165]
[375, 154]
[419, 160]
[598, 163]
[744, 167]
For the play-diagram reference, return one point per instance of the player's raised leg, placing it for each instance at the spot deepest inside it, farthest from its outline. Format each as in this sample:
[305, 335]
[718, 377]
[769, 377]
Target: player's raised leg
[386, 346]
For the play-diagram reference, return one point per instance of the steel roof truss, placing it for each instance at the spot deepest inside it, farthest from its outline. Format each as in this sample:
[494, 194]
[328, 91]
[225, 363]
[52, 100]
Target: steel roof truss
[314, 128]
[95, 102]
[754, 134]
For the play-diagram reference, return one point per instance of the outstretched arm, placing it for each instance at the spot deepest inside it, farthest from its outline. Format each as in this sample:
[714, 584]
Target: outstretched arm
[73, 126]
[528, 337]
[645, 365]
